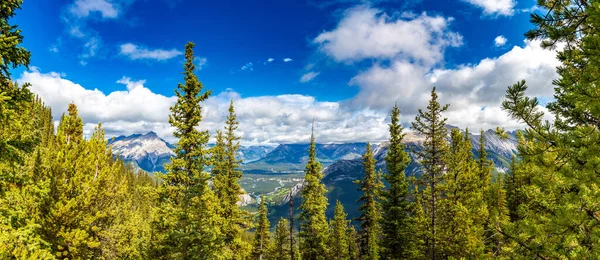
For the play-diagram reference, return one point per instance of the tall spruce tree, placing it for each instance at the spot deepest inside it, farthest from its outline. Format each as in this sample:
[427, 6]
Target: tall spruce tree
[313, 223]
[338, 240]
[187, 222]
[280, 248]
[228, 189]
[463, 211]
[370, 218]
[261, 234]
[512, 184]
[431, 124]
[396, 222]
[353, 243]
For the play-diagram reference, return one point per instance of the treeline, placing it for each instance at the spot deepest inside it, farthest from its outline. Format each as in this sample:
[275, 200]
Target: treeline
[63, 196]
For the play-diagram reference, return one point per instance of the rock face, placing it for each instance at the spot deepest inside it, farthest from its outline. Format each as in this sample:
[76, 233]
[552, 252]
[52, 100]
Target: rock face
[148, 151]
[294, 191]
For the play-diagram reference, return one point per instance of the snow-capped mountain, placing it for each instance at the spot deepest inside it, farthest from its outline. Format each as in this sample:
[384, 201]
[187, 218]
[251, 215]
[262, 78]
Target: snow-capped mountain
[148, 151]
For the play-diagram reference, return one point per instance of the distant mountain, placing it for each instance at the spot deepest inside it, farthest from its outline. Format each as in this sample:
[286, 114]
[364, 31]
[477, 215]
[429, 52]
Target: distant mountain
[293, 157]
[339, 177]
[148, 151]
[253, 153]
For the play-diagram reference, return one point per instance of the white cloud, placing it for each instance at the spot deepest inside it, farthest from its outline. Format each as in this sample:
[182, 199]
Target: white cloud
[135, 52]
[83, 8]
[309, 76]
[475, 92]
[136, 104]
[248, 66]
[263, 119]
[201, 63]
[495, 7]
[270, 60]
[500, 41]
[287, 60]
[365, 33]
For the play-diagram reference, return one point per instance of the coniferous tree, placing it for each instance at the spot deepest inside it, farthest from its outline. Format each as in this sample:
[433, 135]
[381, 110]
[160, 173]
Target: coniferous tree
[498, 219]
[431, 124]
[396, 222]
[370, 218]
[421, 226]
[313, 223]
[187, 219]
[353, 243]
[559, 213]
[463, 210]
[338, 240]
[261, 235]
[512, 183]
[280, 248]
[235, 219]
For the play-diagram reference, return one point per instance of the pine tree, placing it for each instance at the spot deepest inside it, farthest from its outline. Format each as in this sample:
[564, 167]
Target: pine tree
[280, 248]
[353, 243]
[313, 223]
[396, 222]
[498, 219]
[559, 165]
[338, 240]
[512, 184]
[421, 226]
[463, 210]
[431, 124]
[187, 221]
[235, 219]
[261, 235]
[371, 186]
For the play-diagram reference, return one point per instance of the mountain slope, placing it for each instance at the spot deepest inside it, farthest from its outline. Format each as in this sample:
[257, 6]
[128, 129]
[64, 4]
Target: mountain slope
[293, 157]
[147, 151]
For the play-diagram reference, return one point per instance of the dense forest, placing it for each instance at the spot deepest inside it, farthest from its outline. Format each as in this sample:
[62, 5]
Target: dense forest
[66, 196]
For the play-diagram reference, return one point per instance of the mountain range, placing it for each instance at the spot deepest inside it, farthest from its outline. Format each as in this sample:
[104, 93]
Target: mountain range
[270, 169]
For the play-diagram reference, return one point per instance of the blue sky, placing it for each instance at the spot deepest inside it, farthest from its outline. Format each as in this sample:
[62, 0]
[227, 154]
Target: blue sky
[342, 62]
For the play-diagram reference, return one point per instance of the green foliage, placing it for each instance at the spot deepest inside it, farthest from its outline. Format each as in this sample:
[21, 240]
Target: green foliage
[313, 224]
[187, 220]
[280, 248]
[398, 242]
[431, 124]
[463, 210]
[370, 218]
[353, 243]
[261, 235]
[338, 241]
[226, 176]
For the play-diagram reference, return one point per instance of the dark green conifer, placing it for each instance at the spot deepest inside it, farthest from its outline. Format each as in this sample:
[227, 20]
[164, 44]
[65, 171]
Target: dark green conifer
[396, 223]
[313, 223]
[370, 218]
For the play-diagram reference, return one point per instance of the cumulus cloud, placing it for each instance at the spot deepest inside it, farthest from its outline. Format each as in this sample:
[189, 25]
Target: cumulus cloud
[500, 41]
[495, 7]
[270, 60]
[287, 60]
[137, 104]
[309, 76]
[475, 91]
[136, 52]
[263, 119]
[365, 32]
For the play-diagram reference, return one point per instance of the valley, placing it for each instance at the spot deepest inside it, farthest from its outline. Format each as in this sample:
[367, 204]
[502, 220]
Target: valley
[271, 171]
